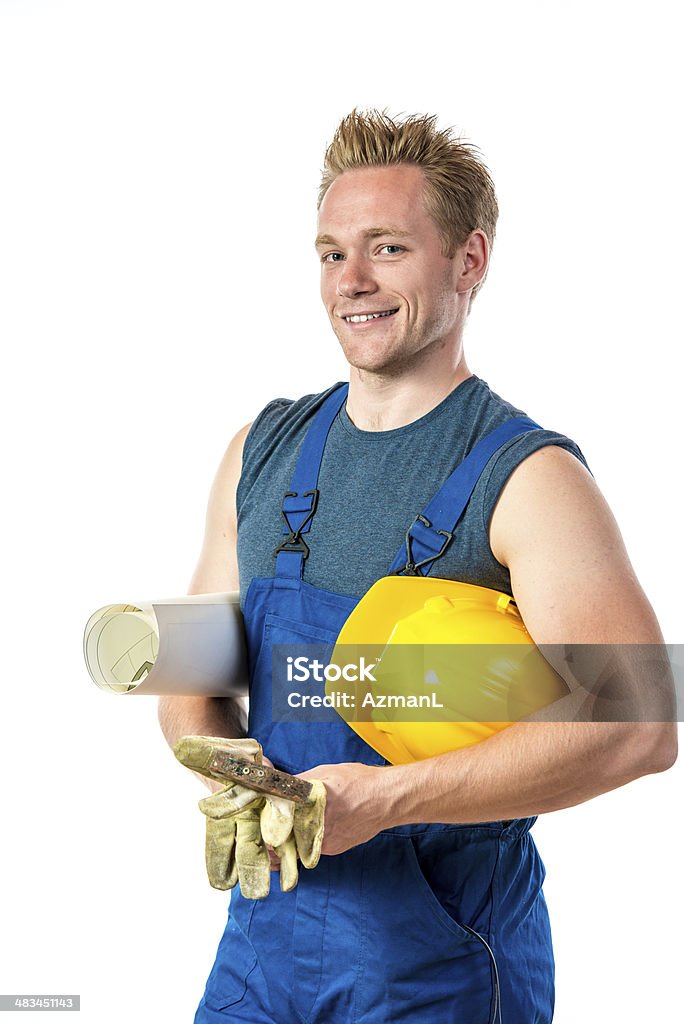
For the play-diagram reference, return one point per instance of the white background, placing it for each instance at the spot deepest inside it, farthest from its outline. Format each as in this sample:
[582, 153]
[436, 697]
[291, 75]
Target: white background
[158, 168]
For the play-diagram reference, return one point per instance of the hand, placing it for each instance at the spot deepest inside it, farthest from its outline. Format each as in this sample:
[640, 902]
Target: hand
[235, 846]
[243, 825]
[355, 810]
[249, 833]
[220, 787]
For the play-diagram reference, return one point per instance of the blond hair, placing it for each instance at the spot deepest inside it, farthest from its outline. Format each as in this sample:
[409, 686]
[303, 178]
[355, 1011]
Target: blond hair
[459, 192]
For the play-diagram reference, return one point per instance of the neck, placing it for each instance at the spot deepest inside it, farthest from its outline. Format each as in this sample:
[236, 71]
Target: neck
[384, 401]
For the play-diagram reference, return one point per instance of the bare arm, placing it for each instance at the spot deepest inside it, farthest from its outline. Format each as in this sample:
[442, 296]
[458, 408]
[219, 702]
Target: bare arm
[573, 583]
[216, 572]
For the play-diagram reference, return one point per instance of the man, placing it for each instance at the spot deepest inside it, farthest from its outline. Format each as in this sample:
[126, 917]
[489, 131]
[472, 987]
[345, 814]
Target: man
[428, 905]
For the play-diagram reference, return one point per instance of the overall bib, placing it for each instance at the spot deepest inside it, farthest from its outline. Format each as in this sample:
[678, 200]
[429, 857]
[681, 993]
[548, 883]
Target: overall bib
[426, 923]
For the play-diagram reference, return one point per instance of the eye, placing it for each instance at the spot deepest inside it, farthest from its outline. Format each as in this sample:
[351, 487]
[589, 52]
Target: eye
[332, 257]
[391, 250]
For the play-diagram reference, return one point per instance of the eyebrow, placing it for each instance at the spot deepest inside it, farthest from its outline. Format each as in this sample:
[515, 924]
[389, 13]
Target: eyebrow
[380, 232]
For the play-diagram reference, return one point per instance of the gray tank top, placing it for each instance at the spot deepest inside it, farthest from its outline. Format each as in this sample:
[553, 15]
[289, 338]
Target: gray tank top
[372, 485]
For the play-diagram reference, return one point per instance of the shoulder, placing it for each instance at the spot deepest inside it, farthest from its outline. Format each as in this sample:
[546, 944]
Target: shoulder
[570, 572]
[539, 483]
[284, 416]
[489, 411]
[242, 462]
[548, 483]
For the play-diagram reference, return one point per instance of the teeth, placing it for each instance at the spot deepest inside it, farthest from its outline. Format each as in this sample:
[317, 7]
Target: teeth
[368, 316]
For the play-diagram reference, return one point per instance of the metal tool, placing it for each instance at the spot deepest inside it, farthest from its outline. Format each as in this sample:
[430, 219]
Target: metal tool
[260, 777]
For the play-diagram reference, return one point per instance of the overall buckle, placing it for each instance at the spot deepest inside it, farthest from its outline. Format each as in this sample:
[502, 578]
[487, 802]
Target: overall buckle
[411, 568]
[294, 541]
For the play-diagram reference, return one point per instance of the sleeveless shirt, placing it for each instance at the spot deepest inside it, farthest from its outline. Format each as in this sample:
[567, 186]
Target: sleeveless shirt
[373, 484]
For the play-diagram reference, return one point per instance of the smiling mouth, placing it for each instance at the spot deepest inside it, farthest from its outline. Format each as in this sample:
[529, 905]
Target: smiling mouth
[362, 318]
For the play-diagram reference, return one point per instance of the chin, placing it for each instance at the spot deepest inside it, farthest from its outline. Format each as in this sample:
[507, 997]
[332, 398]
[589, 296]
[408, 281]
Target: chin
[378, 367]
[365, 361]
[386, 363]
[363, 357]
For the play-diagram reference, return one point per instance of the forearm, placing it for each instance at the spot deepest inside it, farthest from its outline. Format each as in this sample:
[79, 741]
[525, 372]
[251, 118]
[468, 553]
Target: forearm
[527, 769]
[201, 716]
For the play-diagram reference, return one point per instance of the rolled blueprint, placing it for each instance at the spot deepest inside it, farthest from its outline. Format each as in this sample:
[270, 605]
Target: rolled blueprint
[191, 646]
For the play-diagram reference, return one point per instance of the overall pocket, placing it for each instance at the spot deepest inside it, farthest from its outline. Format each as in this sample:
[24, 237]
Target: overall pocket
[299, 738]
[430, 901]
[420, 963]
[235, 960]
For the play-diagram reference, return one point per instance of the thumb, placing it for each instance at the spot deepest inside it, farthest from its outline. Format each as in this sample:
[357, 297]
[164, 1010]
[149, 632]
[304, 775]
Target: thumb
[277, 817]
[309, 825]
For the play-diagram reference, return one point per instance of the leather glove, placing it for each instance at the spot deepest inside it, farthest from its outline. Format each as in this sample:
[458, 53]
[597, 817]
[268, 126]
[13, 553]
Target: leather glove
[240, 822]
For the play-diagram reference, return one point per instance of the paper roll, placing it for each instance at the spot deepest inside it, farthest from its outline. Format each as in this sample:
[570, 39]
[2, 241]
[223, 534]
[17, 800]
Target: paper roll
[188, 646]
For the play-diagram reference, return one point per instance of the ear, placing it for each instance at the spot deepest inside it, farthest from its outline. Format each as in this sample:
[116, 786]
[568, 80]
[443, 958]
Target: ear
[471, 260]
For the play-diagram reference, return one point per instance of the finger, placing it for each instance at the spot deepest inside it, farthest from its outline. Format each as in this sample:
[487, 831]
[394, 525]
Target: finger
[308, 828]
[229, 801]
[251, 856]
[196, 752]
[220, 853]
[289, 874]
[276, 820]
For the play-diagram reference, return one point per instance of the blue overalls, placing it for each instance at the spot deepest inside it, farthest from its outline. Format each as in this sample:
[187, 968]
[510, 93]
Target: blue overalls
[428, 924]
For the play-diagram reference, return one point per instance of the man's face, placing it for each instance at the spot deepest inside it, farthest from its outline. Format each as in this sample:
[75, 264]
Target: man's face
[382, 261]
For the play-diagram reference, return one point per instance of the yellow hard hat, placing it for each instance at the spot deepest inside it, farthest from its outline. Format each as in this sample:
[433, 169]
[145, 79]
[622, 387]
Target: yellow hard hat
[463, 647]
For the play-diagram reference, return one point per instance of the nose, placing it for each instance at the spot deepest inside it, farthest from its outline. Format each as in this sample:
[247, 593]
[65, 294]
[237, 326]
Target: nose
[355, 278]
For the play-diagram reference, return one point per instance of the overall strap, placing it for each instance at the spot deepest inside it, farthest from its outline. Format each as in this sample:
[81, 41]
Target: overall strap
[299, 503]
[429, 535]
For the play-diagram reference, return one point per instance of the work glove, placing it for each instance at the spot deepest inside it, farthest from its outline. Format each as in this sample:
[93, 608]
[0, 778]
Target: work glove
[242, 822]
